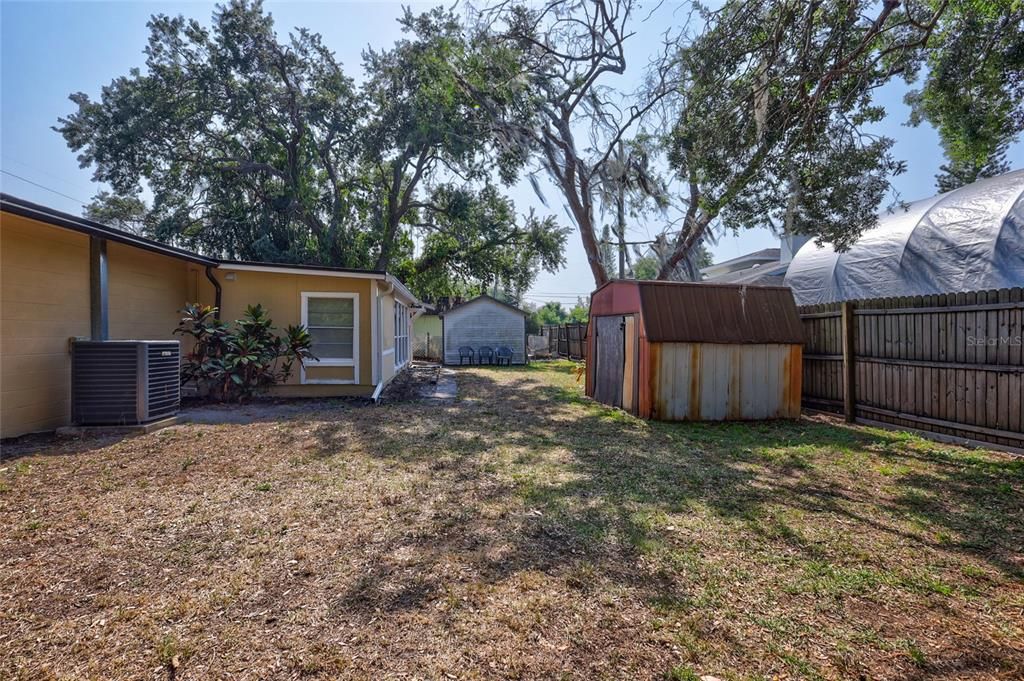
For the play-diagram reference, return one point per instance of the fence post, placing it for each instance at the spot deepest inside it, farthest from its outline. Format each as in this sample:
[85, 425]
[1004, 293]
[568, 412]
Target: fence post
[849, 335]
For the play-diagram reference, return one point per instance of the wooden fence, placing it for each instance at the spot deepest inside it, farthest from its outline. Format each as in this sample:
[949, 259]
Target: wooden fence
[950, 364]
[567, 340]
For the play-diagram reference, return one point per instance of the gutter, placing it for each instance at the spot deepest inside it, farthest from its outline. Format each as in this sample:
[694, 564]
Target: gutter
[216, 289]
[395, 283]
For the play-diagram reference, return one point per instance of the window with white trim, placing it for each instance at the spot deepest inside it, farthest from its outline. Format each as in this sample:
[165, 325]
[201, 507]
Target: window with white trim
[331, 319]
[401, 334]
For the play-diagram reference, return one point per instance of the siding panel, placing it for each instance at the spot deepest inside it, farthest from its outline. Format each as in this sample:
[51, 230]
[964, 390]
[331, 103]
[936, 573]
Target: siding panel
[484, 322]
[716, 382]
[44, 301]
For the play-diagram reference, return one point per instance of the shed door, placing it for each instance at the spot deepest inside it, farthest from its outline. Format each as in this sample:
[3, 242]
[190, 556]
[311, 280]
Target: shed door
[615, 372]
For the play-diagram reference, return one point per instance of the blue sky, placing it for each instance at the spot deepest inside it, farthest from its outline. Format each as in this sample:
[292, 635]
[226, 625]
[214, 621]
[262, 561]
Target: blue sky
[51, 49]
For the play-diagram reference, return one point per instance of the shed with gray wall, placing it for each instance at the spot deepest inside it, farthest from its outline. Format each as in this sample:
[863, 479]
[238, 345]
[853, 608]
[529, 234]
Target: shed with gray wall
[484, 321]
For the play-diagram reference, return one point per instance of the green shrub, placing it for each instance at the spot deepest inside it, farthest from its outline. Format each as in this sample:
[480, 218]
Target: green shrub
[237, 363]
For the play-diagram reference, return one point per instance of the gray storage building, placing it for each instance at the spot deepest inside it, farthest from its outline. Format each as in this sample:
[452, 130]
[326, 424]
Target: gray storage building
[484, 322]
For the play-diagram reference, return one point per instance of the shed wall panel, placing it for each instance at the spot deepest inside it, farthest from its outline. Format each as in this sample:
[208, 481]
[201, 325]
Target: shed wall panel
[484, 323]
[720, 382]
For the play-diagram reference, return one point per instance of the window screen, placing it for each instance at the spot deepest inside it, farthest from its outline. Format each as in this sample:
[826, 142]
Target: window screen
[401, 334]
[331, 323]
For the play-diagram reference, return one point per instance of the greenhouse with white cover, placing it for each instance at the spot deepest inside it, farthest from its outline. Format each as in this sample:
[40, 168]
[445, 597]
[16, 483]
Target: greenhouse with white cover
[968, 239]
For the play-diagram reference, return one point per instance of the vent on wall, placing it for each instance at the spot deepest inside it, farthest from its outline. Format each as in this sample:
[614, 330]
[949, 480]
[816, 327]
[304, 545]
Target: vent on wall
[124, 382]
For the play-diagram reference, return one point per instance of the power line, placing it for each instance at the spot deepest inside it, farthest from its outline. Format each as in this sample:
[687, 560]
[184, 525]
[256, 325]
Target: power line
[563, 293]
[29, 169]
[42, 186]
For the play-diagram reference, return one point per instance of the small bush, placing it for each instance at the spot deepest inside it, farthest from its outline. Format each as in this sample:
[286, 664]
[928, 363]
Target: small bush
[237, 363]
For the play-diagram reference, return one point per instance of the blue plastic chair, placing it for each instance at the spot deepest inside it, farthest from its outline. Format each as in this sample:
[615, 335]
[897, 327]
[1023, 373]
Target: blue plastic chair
[503, 355]
[485, 353]
[465, 352]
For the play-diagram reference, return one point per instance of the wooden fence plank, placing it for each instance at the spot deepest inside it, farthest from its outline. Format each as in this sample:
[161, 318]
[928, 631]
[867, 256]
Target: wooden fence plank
[949, 363]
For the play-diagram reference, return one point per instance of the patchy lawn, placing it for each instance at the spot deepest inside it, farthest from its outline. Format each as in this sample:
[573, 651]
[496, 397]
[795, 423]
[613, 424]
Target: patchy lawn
[520, 532]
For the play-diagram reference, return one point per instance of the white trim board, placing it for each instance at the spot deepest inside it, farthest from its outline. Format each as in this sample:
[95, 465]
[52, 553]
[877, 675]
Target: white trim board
[284, 269]
[375, 361]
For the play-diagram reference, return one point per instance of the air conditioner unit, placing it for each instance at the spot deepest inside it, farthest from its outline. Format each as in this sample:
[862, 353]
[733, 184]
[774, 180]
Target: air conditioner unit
[124, 382]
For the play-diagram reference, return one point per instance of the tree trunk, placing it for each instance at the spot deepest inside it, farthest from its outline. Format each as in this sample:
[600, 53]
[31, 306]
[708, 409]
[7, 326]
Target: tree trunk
[592, 249]
[620, 209]
[584, 214]
[695, 228]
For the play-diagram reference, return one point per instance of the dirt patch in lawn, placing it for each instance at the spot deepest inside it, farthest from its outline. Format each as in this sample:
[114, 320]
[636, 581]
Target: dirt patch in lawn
[520, 531]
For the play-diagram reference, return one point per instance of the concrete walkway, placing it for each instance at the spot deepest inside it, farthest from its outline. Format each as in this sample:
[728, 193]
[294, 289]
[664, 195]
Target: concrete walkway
[444, 390]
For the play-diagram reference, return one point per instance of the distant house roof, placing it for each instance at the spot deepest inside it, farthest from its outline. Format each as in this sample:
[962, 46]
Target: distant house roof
[766, 274]
[716, 313]
[742, 262]
[486, 297]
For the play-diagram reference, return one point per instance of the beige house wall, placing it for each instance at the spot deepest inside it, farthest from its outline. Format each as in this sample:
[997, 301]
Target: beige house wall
[147, 290]
[44, 301]
[281, 295]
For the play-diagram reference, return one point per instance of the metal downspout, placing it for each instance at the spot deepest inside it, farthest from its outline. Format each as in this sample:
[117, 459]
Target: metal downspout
[99, 290]
[216, 290]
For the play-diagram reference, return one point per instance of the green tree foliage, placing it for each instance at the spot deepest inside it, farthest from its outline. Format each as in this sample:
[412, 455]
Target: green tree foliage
[646, 267]
[477, 237]
[263, 149]
[237, 135]
[973, 90]
[238, 363]
[774, 124]
[127, 213]
[554, 313]
[770, 105]
[551, 313]
[771, 130]
[580, 312]
[423, 120]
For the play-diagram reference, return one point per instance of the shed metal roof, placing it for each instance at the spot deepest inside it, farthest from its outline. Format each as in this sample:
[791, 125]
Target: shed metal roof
[718, 313]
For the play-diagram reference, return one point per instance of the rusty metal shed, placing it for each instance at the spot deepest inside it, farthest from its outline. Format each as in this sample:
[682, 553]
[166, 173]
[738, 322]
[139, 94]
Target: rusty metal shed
[695, 351]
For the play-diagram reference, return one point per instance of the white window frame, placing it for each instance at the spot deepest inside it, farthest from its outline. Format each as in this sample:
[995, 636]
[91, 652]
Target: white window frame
[401, 339]
[333, 362]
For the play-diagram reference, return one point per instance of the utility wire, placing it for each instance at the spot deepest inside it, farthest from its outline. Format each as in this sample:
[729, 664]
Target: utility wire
[42, 186]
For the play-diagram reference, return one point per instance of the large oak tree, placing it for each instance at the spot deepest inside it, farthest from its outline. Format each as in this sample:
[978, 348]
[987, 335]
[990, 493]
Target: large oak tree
[264, 149]
[769, 106]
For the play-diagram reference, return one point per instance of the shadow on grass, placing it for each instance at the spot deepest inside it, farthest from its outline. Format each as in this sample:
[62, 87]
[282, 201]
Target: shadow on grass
[529, 475]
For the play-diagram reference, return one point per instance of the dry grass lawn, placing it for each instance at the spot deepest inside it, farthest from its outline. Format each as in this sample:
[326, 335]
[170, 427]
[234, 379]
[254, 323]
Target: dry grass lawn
[520, 532]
